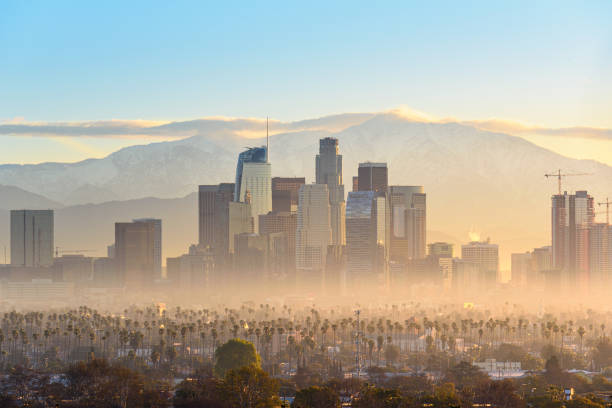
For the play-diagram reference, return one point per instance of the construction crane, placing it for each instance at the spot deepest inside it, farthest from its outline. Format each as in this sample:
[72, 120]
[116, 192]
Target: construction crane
[560, 175]
[607, 204]
[58, 251]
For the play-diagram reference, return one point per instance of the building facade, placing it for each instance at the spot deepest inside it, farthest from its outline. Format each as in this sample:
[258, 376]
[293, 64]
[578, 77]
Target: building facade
[135, 254]
[32, 237]
[600, 267]
[206, 213]
[373, 177]
[157, 244]
[313, 234]
[486, 256]
[409, 222]
[367, 237]
[329, 172]
[572, 216]
[254, 180]
[285, 192]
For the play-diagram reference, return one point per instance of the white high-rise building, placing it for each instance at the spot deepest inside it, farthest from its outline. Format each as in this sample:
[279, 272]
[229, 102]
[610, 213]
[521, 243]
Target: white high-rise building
[254, 182]
[409, 222]
[157, 243]
[486, 256]
[257, 181]
[313, 233]
[32, 237]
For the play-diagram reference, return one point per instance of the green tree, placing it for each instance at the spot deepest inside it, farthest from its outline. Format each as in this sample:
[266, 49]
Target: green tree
[602, 355]
[234, 354]
[498, 393]
[316, 397]
[98, 384]
[199, 392]
[586, 402]
[392, 354]
[373, 397]
[443, 396]
[553, 373]
[250, 387]
[465, 374]
[6, 401]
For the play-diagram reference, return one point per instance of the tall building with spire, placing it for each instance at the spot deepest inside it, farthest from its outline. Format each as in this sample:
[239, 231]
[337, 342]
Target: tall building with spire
[329, 172]
[254, 177]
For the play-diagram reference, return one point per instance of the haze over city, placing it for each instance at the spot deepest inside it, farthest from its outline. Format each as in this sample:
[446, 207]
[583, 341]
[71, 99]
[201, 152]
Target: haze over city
[315, 205]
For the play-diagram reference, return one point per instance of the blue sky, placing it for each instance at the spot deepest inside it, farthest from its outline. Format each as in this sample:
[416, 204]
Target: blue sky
[545, 62]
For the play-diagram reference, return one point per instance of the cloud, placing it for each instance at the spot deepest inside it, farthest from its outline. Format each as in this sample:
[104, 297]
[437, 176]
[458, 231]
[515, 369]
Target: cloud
[517, 128]
[256, 127]
[16, 119]
[210, 126]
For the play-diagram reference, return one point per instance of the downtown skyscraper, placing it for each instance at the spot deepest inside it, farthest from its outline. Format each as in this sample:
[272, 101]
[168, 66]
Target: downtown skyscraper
[409, 222]
[254, 182]
[329, 172]
[31, 237]
[313, 234]
[135, 254]
[373, 177]
[486, 256]
[157, 244]
[367, 240]
[572, 218]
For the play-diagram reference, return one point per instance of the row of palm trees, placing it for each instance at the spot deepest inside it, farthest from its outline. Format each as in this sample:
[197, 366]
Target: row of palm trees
[280, 333]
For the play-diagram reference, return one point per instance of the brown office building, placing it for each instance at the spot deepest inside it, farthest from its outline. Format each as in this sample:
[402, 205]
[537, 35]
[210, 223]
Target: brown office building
[210, 198]
[285, 193]
[373, 177]
[135, 253]
[280, 222]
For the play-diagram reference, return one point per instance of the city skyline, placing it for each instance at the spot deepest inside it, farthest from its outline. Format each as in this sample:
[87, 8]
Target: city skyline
[318, 204]
[266, 181]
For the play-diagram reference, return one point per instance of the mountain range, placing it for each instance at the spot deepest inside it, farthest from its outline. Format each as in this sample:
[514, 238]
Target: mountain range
[476, 181]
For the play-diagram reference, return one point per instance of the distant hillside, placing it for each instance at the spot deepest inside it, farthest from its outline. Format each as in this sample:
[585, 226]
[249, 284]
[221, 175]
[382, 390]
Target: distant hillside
[12, 198]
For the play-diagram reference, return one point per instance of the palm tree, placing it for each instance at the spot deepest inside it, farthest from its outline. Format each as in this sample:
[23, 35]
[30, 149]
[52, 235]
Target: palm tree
[581, 333]
[379, 344]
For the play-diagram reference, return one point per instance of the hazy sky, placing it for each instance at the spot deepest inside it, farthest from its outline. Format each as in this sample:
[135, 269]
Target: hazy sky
[547, 63]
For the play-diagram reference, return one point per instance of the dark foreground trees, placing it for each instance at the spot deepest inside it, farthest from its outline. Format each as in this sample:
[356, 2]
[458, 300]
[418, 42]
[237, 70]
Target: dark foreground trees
[316, 397]
[99, 384]
[245, 387]
[92, 384]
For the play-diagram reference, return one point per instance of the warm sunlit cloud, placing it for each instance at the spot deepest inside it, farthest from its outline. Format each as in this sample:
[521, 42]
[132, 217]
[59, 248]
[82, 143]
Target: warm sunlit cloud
[519, 128]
